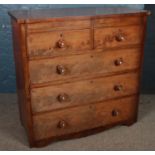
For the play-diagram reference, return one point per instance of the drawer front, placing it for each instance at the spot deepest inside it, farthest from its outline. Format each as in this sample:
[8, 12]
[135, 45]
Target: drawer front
[83, 92]
[52, 43]
[94, 63]
[81, 118]
[118, 36]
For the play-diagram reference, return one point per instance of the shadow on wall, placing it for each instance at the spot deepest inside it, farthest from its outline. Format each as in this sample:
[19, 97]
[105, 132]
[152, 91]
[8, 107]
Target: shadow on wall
[148, 84]
[7, 69]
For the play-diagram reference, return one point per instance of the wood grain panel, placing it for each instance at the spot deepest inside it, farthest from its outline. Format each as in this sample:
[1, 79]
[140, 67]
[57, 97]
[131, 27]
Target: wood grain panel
[83, 65]
[118, 36]
[84, 117]
[59, 25]
[83, 92]
[46, 44]
[77, 70]
[118, 21]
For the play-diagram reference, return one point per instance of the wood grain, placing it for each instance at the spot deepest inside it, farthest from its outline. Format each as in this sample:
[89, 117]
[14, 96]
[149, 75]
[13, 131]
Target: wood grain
[22, 78]
[46, 43]
[83, 117]
[84, 65]
[84, 92]
[77, 65]
[106, 37]
[59, 25]
[51, 15]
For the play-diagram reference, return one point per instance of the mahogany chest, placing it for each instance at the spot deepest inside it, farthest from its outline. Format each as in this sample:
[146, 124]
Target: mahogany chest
[78, 70]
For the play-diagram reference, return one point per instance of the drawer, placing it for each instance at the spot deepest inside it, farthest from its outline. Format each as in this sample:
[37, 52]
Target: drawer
[94, 63]
[83, 92]
[55, 42]
[118, 36]
[74, 120]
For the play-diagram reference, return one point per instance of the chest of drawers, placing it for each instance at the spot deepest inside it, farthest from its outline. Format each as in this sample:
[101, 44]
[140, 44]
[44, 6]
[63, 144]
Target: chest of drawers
[78, 70]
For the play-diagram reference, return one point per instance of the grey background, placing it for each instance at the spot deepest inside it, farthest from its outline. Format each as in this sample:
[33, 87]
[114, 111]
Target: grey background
[7, 68]
[148, 74]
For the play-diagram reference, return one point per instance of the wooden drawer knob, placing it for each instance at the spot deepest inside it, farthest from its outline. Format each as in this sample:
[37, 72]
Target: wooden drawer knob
[61, 69]
[118, 87]
[62, 124]
[119, 37]
[61, 44]
[63, 97]
[115, 112]
[118, 62]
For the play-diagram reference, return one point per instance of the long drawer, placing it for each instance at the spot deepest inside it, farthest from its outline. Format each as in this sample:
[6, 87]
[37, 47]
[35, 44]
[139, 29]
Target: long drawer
[94, 63]
[81, 118]
[83, 92]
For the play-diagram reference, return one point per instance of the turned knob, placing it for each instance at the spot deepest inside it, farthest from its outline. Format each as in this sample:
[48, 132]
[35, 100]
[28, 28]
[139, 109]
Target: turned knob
[61, 44]
[119, 37]
[118, 62]
[115, 112]
[61, 69]
[63, 97]
[62, 124]
[118, 87]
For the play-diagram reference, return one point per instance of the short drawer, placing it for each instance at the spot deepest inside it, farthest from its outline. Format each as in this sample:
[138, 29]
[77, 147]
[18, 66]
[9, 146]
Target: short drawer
[83, 92]
[118, 36]
[73, 120]
[54, 43]
[94, 63]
